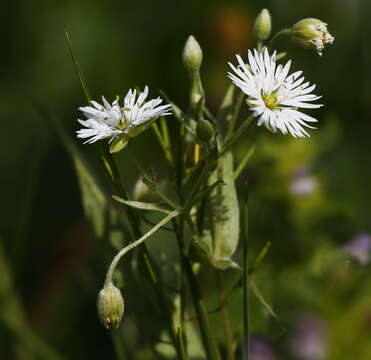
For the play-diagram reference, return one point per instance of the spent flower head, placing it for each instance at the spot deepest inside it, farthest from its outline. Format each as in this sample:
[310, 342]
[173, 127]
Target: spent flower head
[273, 95]
[120, 123]
[312, 33]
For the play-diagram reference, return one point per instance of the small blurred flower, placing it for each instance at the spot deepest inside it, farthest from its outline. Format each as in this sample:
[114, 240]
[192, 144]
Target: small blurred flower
[302, 182]
[309, 338]
[273, 95]
[117, 123]
[360, 248]
[312, 33]
[261, 348]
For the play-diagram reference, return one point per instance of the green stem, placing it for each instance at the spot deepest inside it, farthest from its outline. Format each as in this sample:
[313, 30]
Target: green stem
[179, 232]
[134, 222]
[241, 130]
[225, 318]
[235, 114]
[134, 244]
[118, 345]
[211, 348]
[285, 32]
[244, 233]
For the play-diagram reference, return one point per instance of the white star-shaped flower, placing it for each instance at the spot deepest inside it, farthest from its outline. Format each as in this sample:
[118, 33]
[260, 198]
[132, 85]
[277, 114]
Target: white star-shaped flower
[274, 96]
[120, 123]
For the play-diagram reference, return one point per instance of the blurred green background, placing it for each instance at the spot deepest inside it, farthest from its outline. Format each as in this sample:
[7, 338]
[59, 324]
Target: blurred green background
[309, 198]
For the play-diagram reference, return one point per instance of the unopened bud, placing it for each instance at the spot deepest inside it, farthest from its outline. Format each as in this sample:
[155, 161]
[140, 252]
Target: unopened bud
[263, 25]
[110, 306]
[311, 33]
[192, 55]
[205, 130]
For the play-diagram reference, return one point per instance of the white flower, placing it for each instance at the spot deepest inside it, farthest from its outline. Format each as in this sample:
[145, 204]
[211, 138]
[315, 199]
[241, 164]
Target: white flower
[120, 123]
[274, 96]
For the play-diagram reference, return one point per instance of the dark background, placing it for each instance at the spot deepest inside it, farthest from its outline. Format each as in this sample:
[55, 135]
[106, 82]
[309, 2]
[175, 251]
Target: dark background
[51, 264]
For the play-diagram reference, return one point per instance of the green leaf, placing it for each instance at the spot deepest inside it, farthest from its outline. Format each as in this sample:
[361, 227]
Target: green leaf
[260, 297]
[227, 224]
[93, 198]
[142, 205]
[204, 192]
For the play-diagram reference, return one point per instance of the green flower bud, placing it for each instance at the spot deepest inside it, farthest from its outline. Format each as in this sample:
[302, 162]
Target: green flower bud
[204, 130]
[110, 306]
[192, 55]
[263, 25]
[311, 33]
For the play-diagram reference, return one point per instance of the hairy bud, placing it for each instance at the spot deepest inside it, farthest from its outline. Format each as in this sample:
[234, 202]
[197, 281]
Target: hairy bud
[110, 306]
[263, 25]
[192, 55]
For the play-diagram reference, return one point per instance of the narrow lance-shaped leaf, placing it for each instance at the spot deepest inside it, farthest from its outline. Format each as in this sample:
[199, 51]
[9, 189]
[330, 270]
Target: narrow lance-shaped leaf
[94, 201]
[141, 205]
[227, 214]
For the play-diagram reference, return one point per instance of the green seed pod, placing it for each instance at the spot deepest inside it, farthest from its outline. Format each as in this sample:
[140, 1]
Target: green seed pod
[263, 25]
[311, 33]
[110, 306]
[205, 130]
[192, 55]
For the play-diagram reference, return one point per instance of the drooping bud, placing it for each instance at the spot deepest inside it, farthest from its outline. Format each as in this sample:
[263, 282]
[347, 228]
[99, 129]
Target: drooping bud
[110, 306]
[312, 33]
[263, 25]
[192, 55]
[205, 130]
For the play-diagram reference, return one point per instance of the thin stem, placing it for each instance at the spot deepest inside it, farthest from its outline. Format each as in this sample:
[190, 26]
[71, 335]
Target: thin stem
[235, 114]
[179, 232]
[243, 162]
[225, 318]
[244, 224]
[118, 345]
[212, 351]
[134, 244]
[76, 65]
[134, 222]
[278, 34]
[241, 130]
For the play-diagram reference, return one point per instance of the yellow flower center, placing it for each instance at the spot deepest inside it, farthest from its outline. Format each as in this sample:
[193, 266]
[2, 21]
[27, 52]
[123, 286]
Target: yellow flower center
[122, 125]
[270, 100]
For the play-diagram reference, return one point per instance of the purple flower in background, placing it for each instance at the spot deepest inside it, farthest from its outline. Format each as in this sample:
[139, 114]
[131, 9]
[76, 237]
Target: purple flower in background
[302, 182]
[309, 338]
[359, 248]
[261, 348]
